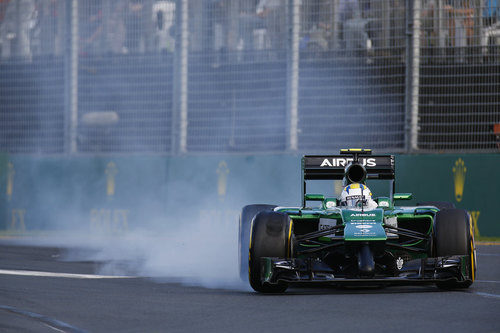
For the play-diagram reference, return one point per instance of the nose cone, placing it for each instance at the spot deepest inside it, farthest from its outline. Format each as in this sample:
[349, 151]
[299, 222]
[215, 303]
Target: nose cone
[366, 264]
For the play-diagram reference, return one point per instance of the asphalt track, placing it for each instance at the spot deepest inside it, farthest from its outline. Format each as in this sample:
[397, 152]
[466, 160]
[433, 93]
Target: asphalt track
[35, 297]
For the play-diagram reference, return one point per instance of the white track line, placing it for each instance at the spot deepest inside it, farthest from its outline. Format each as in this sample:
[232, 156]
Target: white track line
[54, 328]
[62, 275]
[487, 295]
[55, 324]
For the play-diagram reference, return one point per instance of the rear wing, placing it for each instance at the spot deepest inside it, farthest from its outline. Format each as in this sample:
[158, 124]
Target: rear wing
[333, 166]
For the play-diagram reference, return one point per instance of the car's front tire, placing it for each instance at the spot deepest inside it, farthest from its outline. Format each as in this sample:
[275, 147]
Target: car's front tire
[271, 236]
[247, 214]
[454, 236]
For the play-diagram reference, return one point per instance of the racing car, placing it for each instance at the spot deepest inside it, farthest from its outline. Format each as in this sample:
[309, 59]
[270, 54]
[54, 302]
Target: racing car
[326, 241]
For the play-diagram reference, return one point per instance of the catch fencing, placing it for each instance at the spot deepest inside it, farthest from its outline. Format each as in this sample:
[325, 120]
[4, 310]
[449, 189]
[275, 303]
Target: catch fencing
[192, 76]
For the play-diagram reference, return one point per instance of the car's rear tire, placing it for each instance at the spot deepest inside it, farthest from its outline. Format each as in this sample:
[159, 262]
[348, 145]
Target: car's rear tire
[271, 236]
[247, 214]
[438, 204]
[454, 236]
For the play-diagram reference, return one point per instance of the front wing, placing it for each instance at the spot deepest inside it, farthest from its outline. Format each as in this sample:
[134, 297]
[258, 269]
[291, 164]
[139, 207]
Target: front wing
[418, 271]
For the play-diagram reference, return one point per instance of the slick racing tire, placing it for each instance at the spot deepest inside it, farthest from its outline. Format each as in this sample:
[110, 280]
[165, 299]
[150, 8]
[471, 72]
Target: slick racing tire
[454, 236]
[271, 236]
[438, 204]
[246, 217]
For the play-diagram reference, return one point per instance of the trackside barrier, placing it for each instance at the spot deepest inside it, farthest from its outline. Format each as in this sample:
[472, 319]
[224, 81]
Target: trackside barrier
[112, 193]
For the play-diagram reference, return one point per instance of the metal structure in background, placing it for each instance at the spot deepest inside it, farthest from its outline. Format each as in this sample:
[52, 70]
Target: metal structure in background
[190, 76]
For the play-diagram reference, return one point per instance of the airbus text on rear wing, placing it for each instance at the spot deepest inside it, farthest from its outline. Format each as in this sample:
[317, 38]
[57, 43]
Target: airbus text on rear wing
[333, 166]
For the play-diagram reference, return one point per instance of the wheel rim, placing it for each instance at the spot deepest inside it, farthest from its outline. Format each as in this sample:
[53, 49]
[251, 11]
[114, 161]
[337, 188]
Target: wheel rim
[472, 250]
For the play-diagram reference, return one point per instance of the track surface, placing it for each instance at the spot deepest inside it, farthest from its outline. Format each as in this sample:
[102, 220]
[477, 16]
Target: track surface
[76, 303]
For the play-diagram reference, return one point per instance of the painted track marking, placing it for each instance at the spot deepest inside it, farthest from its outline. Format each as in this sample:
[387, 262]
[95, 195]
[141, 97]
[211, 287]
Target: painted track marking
[487, 295]
[62, 275]
[51, 322]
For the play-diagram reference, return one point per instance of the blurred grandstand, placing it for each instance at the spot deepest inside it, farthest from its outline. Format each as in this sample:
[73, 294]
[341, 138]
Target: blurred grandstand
[191, 76]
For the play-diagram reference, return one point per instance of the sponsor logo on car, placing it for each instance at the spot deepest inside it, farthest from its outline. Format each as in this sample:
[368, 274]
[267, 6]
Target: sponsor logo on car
[364, 226]
[362, 214]
[342, 162]
[399, 263]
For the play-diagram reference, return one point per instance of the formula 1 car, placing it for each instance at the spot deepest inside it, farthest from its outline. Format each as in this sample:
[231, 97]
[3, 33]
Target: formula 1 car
[331, 244]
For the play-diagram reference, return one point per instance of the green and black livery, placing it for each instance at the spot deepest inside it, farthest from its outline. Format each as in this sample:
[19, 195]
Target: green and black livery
[428, 243]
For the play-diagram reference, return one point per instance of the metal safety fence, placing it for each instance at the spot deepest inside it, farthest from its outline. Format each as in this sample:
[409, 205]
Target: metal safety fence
[191, 76]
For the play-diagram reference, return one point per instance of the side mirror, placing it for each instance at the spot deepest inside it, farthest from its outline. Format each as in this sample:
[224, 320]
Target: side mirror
[330, 203]
[403, 196]
[384, 202]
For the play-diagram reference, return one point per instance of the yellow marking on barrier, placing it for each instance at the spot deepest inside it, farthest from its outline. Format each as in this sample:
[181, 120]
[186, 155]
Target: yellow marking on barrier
[222, 171]
[109, 220]
[475, 216]
[459, 171]
[10, 180]
[111, 171]
[17, 219]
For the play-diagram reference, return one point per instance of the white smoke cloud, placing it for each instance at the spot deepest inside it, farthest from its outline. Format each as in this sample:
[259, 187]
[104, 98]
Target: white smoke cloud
[201, 253]
[185, 231]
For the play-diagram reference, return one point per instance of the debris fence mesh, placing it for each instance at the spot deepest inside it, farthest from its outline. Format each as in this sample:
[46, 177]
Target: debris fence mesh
[191, 76]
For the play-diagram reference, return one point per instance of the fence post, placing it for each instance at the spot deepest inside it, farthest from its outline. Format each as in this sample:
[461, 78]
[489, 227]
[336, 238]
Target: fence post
[71, 78]
[292, 96]
[412, 75]
[180, 101]
[184, 76]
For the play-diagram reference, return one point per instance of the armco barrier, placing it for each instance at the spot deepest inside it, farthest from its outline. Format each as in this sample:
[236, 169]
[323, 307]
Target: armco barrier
[470, 181]
[116, 193]
[112, 193]
[83, 193]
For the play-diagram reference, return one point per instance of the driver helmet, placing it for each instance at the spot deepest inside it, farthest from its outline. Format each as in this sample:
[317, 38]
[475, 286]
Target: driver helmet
[357, 196]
